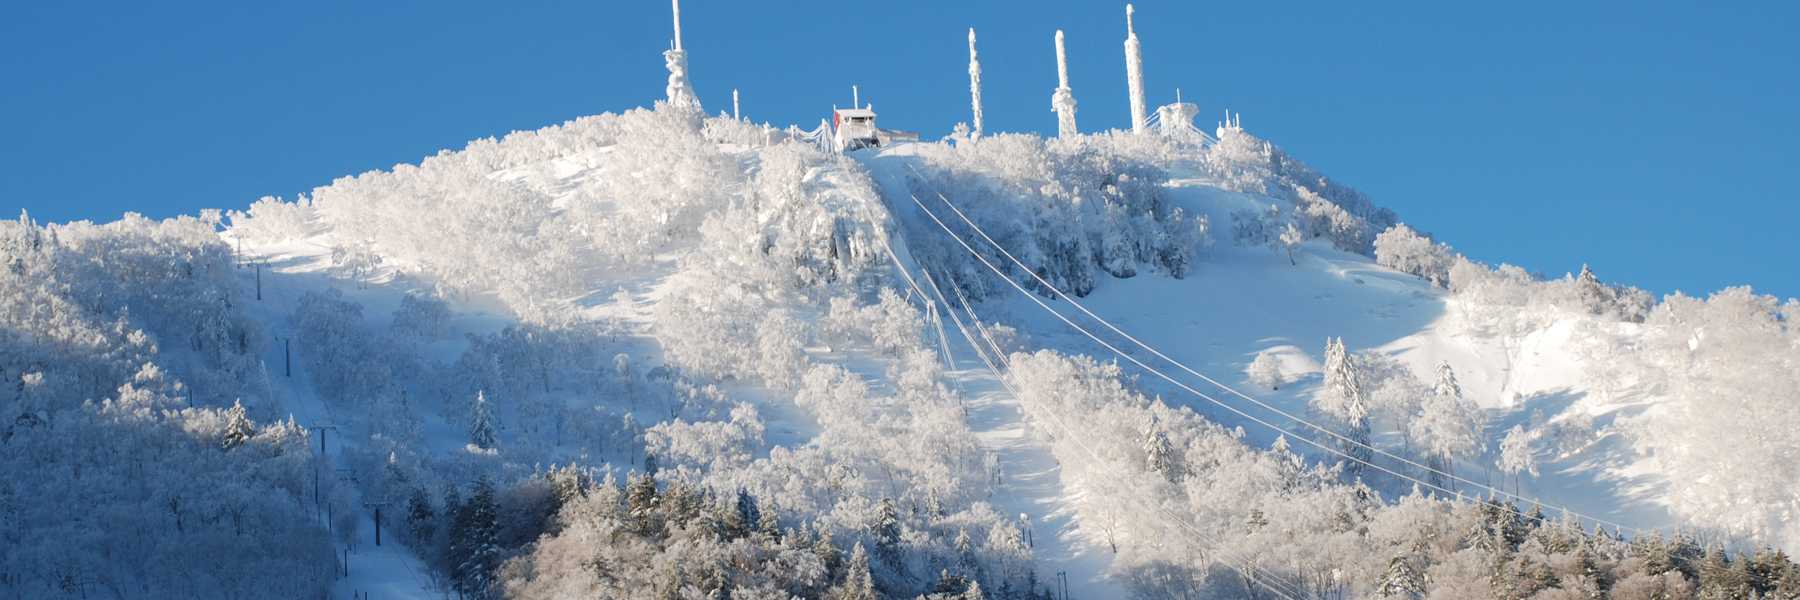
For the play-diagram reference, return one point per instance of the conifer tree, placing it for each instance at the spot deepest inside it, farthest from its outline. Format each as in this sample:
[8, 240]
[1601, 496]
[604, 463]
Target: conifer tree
[858, 583]
[827, 549]
[748, 515]
[1400, 581]
[238, 428]
[475, 542]
[421, 520]
[769, 523]
[1346, 401]
[1158, 451]
[1593, 294]
[886, 528]
[481, 424]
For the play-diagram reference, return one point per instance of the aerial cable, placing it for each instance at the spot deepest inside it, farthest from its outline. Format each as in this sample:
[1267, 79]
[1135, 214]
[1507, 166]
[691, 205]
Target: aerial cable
[1219, 546]
[1069, 433]
[1184, 367]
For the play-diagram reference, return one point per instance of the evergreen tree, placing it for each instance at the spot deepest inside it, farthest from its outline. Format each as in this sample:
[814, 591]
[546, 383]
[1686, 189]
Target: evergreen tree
[481, 424]
[1158, 451]
[1346, 401]
[858, 583]
[769, 523]
[748, 515]
[475, 542]
[1447, 426]
[949, 583]
[421, 520]
[974, 591]
[1592, 293]
[886, 529]
[238, 428]
[1400, 580]
[827, 549]
[641, 501]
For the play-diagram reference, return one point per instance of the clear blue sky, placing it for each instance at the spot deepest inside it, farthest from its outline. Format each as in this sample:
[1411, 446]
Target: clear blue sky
[1655, 141]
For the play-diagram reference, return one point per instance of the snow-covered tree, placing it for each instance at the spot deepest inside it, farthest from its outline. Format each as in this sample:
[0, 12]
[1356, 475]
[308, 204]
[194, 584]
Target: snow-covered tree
[1400, 581]
[1266, 370]
[1516, 454]
[1345, 401]
[858, 585]
[238, 428]
[481, 424]
[1448, 427]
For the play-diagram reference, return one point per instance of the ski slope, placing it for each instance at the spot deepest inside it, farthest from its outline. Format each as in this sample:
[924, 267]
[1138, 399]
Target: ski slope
[1237, 303]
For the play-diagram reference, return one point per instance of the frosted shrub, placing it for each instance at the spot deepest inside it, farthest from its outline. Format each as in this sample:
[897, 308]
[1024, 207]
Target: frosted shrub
[1067, 209]
[1322, 207]
[271, 220]
[726, 130]
[1402, 249]
[1266, 370]
[1727, 364]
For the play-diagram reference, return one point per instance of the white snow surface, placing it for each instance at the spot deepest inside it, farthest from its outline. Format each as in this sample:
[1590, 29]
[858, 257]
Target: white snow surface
[1236, 303]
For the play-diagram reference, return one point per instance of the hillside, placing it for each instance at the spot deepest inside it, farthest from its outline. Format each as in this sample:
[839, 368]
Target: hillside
[659, 354]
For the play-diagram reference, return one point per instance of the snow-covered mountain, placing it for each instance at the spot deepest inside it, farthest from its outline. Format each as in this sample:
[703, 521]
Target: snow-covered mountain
[659, 354]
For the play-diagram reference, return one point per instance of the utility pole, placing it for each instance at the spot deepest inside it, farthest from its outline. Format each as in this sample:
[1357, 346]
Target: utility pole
[259, 281]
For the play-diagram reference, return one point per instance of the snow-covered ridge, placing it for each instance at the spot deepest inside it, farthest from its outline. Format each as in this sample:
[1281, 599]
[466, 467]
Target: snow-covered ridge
[829, 367]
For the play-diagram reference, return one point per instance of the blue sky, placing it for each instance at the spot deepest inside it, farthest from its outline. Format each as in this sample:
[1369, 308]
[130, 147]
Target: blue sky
[1655, 141]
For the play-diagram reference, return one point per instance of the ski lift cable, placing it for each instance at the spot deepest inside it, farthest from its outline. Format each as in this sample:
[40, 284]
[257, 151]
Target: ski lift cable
[1069, 432]
[1219, 546]
[1228, 388]
[1184, 367]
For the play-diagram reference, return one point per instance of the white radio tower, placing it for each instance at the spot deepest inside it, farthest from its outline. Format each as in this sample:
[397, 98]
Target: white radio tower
[974, 84]
[1134, 68]
[1063, 102]
[681, 92]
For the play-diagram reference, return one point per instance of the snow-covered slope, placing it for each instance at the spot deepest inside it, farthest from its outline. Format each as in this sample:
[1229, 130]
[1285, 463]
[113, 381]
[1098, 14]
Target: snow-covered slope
[793, 334]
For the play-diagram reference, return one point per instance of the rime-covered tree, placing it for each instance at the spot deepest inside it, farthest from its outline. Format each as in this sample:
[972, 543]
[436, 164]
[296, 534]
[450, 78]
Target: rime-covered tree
[1345, 401]
[238, 428]
[1448, 427]
[481, 424]
[1400, 581]
[475, 542]
[1266, 370]
[1516, 454]
[1158, 451]
[858, 583]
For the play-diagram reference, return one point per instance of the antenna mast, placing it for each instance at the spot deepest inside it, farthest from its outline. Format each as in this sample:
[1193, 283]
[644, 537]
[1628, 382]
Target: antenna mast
[974, 84]
[681, 91]
[1063, 101]
[1134, 68]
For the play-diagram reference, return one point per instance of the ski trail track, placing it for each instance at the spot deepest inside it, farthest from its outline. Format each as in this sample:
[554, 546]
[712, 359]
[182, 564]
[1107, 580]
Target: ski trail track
[1030, 479]
[387, 571]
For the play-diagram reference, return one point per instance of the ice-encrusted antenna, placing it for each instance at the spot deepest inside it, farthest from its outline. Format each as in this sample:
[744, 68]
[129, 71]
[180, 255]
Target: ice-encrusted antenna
[1063, 101]
[1134, 68]
[677, 4]
[681, 91]
[974, 84]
